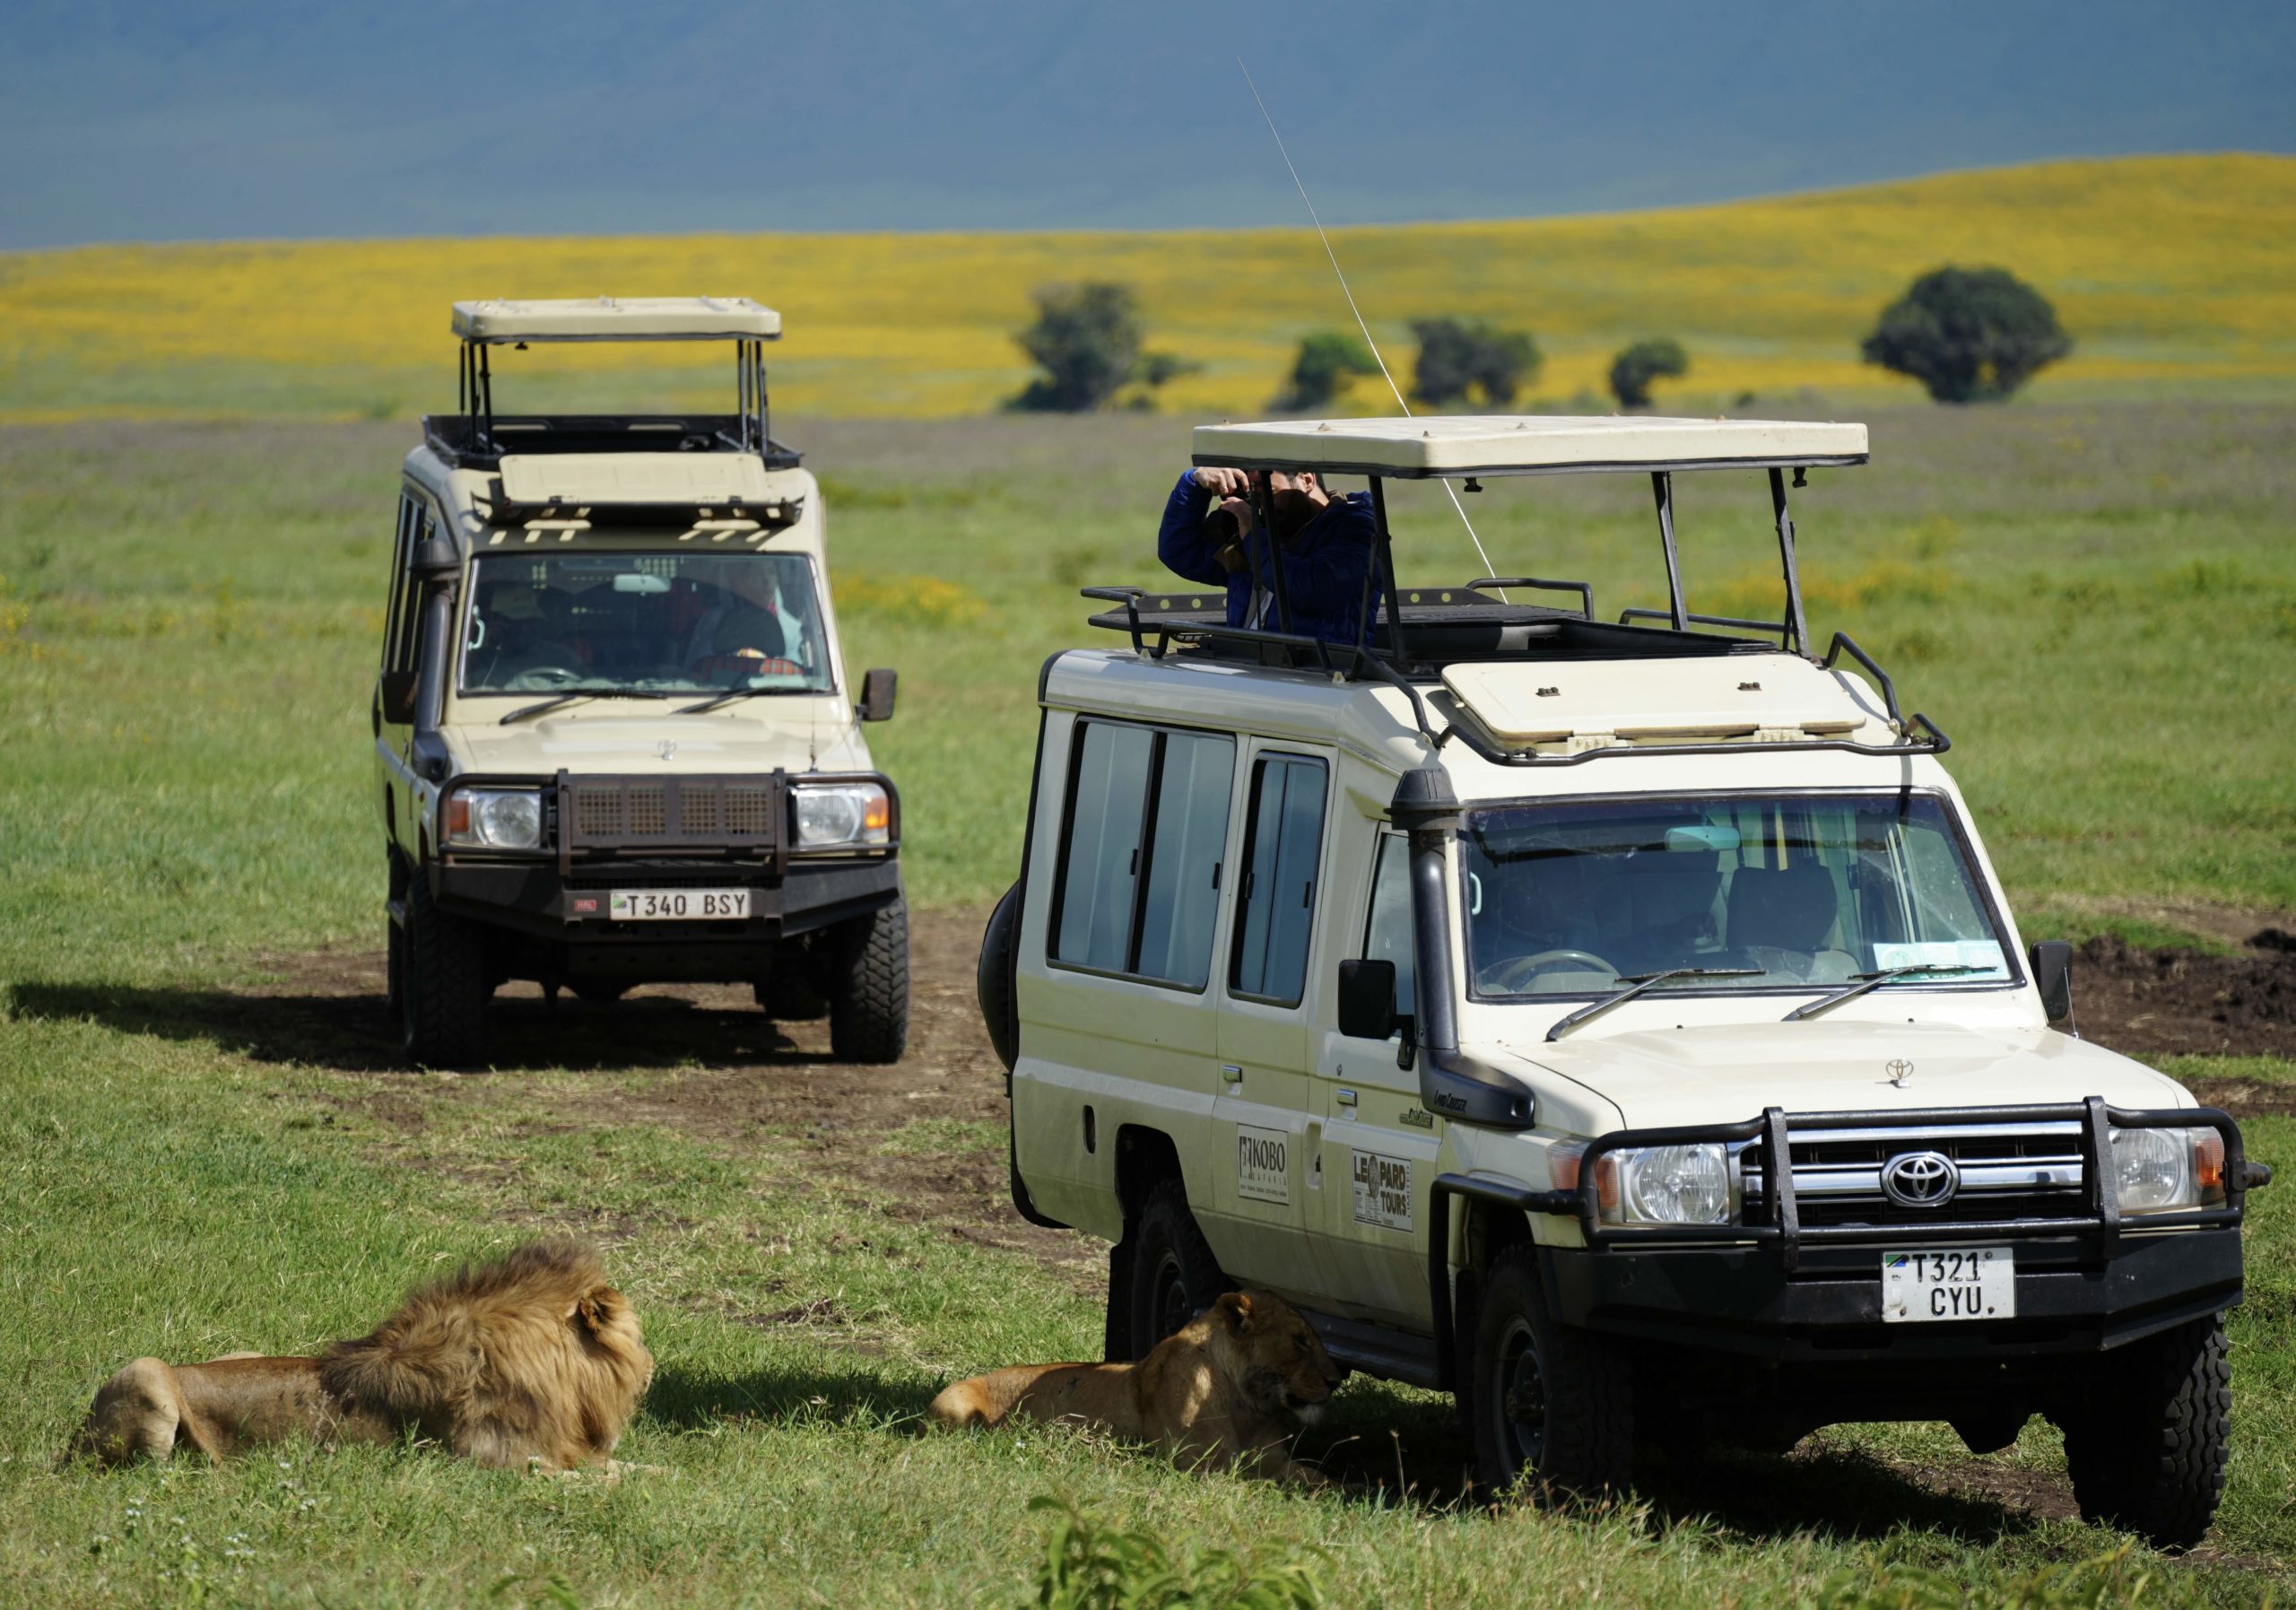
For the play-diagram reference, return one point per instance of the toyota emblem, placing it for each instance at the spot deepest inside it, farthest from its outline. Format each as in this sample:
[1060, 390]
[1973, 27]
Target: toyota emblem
[1920, 1178]
[1900, 1071]
[665, 748]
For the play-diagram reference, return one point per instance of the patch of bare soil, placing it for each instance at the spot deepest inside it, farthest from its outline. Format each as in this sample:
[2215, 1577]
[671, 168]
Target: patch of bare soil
[2166, 1002]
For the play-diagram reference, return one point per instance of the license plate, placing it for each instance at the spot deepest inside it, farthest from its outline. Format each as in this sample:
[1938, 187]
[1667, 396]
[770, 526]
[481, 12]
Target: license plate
[678, 905]
[1956, 1283]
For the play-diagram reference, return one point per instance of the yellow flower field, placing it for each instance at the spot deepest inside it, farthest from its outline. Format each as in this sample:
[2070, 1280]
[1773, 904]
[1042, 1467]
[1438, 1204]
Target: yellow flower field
[2171, 272]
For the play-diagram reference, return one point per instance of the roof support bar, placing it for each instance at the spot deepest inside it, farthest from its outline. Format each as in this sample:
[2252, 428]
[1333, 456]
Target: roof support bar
[1662, 489]
[1794, 623]
[1385, 559]
[1264, 509]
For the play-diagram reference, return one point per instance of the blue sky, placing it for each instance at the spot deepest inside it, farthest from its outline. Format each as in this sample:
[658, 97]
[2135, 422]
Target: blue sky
[137, 120]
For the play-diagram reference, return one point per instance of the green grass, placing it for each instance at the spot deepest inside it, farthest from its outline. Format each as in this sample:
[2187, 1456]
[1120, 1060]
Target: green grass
[2099, 604]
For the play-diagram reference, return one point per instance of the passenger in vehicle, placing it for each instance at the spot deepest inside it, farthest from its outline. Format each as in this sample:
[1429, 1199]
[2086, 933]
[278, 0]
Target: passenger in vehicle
[512, 634]
[1539, 927]
[745, 622]
[1210, 535]
[1781, 920]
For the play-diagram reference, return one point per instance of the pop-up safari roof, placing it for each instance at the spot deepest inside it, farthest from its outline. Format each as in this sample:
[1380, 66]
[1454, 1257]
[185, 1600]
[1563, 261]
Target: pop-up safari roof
[1526, 444]
[618, 318]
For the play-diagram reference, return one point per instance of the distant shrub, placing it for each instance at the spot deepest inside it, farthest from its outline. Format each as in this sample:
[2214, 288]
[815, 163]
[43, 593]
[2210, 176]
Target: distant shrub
[1467, 360]
[1327, 361]
[1633, 370]
[1969, 335]
[1086, 339]
[1087, 1565]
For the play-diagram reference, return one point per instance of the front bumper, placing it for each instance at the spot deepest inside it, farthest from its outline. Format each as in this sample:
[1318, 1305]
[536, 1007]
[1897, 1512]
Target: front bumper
[537, 900]
[2073, 1295]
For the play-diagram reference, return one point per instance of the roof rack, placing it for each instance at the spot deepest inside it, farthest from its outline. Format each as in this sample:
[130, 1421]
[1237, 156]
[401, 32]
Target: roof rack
[474, 437]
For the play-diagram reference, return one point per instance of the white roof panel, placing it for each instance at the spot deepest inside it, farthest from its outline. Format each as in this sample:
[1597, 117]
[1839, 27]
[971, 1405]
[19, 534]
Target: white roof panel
[618, 318]
[699, 479]
[1527, 444]
[1731, 696]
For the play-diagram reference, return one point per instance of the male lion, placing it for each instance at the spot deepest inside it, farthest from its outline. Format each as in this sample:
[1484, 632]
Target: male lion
[532, 1361]
[1219, 1391]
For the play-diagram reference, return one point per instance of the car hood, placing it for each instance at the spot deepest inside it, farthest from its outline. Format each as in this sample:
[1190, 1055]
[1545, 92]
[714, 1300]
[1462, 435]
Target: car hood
[620, 742]
[1718, 1075]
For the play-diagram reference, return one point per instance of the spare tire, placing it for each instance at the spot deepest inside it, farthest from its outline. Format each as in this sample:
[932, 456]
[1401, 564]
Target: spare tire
[997, 980]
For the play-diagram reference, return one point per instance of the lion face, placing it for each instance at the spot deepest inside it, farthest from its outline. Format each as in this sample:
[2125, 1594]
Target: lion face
[1275, 1356]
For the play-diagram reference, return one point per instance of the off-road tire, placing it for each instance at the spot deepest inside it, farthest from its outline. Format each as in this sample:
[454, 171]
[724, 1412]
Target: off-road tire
[868, 987]
[1168, 1274]
[1582, 1442]
[395, 943]
[2146, 1442]
[996, 979]
[444, 984]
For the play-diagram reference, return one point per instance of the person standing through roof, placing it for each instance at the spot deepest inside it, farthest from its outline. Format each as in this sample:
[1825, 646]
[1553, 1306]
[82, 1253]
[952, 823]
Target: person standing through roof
[1326, 543]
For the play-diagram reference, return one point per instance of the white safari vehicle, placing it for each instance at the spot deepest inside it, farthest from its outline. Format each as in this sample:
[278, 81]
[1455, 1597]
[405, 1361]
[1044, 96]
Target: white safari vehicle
[1614, 1022]
[614, 738]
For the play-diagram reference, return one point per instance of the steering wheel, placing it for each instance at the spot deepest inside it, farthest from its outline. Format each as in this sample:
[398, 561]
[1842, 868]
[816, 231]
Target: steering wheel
[541, 678]
[1509, 978]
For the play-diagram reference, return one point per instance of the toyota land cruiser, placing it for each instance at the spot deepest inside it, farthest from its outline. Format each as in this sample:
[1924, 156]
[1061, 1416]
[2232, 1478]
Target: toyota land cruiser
[1616, 1023]
[613, 739]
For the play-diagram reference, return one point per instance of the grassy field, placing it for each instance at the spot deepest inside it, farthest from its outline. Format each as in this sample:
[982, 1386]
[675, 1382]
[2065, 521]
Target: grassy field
[2171, 272]
[2098, 602]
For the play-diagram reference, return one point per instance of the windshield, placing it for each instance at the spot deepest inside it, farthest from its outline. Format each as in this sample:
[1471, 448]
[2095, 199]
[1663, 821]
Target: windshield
[672, 623]
[1798, 890]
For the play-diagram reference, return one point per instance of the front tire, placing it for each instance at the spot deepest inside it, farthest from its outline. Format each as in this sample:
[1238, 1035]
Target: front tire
[868, 987]
[1163, 1274]
[1549, 1402]
[443, 985]
[2147, 1440]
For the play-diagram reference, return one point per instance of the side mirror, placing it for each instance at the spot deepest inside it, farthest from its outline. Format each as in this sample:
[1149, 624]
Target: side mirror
[2052, 962]
[396, 691]
[433, 556]
[1366, 999]
[877, 694]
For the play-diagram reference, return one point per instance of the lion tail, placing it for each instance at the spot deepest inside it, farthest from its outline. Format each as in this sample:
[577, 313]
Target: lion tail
[427, 1361]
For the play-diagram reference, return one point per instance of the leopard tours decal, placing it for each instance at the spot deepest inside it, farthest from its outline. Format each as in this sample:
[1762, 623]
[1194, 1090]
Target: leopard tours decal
[1382, 1190]
[1263, 1164]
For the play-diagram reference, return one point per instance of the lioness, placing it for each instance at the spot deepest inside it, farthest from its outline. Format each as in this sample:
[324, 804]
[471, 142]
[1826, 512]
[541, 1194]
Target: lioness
[1222, 1390]
[529, 1361]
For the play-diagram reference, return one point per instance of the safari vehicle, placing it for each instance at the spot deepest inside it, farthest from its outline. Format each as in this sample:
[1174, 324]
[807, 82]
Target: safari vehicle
[1614, 1022]
[614, 738]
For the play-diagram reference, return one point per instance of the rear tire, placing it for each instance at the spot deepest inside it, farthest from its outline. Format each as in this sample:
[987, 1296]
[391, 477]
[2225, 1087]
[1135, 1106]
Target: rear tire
[996, 980]
[2147, 1438]
[1549, 1402]
[1164, 1272]
[443, 984]
[868, 987]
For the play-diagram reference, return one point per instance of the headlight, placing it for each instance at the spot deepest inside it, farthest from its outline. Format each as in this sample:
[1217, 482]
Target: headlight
[2159, 1171]
[494, 818]
[1652, 1185]
[841, 814]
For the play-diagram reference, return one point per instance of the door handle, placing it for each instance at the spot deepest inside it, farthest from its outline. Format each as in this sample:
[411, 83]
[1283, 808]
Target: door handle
[1345, 1098]
[1231, 1074]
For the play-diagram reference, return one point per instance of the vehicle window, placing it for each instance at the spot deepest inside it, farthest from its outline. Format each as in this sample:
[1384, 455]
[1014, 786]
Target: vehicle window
[1140, 873]
[1276, 907]
[1799, 890]
[1386, 935]
[675, 622]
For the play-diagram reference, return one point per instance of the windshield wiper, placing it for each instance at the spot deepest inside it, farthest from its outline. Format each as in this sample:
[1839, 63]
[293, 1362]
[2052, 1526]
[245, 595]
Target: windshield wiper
[1871, 980]
[571, 694]
[731, 694]
[1637, 984]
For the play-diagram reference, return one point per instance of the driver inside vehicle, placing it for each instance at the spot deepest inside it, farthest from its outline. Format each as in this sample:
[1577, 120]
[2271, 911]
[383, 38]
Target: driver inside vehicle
[513, 632]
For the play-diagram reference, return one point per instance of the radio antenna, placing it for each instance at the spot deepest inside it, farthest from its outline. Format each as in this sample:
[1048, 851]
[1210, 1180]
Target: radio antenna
[1341, 275]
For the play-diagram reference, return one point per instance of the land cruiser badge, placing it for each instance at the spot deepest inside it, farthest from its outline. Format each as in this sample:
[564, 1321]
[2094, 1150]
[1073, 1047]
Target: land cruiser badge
[1382, 1190]
[1263, 1164]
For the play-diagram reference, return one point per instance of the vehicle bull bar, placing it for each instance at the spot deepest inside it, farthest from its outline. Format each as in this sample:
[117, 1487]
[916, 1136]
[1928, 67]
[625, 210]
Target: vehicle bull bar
[2101, 1217]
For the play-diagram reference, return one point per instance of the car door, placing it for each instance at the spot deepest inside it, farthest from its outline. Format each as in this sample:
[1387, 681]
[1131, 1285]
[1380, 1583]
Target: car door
[1377, 1142]
[394, 733]
[1124, 1030]
[1261, 1191]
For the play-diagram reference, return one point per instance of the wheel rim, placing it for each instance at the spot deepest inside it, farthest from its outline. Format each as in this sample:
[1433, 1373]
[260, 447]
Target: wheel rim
[1519, 1404]
[1167, 1305]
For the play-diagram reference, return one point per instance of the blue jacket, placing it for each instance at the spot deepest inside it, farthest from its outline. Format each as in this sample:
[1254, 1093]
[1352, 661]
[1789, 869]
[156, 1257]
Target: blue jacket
[1323, 566]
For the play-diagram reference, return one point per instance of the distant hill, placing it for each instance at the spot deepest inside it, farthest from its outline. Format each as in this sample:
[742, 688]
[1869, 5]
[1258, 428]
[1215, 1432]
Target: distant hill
[2171, 272]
